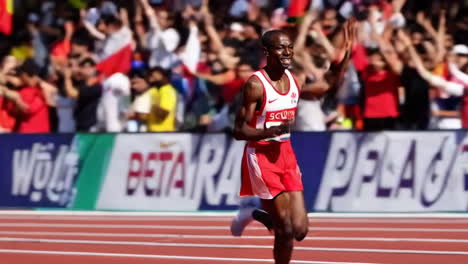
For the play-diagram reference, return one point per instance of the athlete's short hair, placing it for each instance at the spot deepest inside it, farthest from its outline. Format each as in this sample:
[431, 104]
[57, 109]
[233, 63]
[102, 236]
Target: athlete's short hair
[267, 37]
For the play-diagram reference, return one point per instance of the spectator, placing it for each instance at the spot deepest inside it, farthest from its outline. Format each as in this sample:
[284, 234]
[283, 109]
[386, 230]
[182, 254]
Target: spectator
[312, 68]
[162, 39]
[456, 85]
[416, 107]
[224, 119]
[381, 101]
[159, 102]
[79, 50]
[37, 42]
[10, 101]
[115, 54]
[446, 113]
[34, 118]
[82, 84]
[210, 47]
[114, 104]
[136, 116]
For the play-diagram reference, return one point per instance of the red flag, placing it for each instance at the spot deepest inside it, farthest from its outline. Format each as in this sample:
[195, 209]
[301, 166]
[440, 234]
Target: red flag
[119, 61]
[297, 7]
[6, 16]
[117, 54]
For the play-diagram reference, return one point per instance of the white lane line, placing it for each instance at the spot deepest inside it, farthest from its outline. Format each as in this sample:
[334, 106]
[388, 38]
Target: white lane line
[231, 213]
[119, 226]
[228, 237]
[96, 254]
[185, 227]
[117, 218]
[230, 246]
[441, 221]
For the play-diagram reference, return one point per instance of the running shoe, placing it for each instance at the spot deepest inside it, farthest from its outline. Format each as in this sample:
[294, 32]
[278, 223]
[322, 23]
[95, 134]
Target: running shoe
[241, 220]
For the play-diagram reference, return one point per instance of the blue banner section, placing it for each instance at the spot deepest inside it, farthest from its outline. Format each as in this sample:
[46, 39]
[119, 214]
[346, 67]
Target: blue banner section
[311, 152]
[37, 170]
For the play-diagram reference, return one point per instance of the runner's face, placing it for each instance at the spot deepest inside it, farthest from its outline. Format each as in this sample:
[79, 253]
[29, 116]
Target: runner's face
[281, 51]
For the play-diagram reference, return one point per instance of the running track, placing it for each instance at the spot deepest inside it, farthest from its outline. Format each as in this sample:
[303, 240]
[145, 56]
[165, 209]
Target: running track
[126, 238]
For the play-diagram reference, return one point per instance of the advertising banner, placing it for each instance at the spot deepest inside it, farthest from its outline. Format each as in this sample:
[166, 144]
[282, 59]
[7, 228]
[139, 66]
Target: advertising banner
[172, 172]
[37, 170]
[395, 172]
[341, 171]
[95, 151]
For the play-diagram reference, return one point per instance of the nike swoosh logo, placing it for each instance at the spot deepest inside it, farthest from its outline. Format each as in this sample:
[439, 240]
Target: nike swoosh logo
[271, 101]
[166, 145]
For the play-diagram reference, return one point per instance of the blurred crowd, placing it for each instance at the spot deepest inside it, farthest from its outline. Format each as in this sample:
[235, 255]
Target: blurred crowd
[179, 65]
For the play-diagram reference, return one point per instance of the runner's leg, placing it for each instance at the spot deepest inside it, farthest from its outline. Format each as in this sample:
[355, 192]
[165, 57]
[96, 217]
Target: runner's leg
[278, 208]
[299, 219]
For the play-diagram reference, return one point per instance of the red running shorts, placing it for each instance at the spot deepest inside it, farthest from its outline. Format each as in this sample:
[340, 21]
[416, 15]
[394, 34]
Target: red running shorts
[269, 169]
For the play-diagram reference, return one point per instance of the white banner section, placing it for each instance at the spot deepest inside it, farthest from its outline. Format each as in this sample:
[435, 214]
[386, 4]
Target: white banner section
[395, 172]
[172, 172]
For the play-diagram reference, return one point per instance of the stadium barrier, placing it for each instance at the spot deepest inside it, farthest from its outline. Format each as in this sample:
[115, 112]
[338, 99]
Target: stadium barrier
[342, 171]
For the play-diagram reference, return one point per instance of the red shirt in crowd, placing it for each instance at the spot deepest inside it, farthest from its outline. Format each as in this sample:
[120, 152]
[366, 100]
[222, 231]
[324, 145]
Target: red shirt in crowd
[62, 49]
[7, 120]
[231, 89]
[36, 119]
[381, 93]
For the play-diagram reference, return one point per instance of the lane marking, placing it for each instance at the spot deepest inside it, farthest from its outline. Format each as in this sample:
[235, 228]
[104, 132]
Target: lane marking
[229, 237]
[232, 213]
[225, 246]
[96, 254]
[117, 218]
[129, 226]
[442, 221]
[186, 227]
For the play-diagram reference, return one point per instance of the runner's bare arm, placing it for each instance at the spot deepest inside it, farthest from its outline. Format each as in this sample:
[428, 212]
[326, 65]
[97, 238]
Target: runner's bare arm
[252, 96]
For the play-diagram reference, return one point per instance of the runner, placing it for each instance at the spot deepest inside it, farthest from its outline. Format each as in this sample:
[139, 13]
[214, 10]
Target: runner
[269, 166]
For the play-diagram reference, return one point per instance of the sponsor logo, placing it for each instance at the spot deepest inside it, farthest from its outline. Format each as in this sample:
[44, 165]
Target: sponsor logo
[294, 98]
[45, 172]
[281, 115]
[157, 173]
[165, 145]
[210, 176]
[391, 172]
[273, 100]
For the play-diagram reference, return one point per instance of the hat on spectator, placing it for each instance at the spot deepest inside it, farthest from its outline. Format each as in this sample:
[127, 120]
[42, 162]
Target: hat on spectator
[460, 49]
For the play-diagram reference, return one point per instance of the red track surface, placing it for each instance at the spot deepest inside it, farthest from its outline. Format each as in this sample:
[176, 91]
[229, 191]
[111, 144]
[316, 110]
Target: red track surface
[206, 240]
